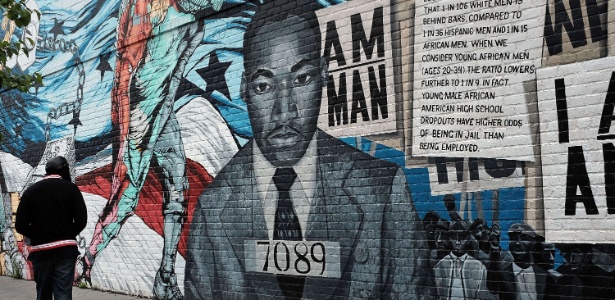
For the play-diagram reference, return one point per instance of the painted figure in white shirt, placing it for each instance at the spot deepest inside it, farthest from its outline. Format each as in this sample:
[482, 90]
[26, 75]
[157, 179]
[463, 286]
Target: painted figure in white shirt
[459, 275]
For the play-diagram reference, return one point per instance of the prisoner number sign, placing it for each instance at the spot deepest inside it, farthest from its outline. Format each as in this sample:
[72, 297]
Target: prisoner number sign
[299, 258]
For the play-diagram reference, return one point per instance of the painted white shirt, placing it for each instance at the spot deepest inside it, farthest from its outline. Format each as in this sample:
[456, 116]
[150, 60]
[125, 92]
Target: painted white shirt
[457, 288]
[525, 279]
[301, 192]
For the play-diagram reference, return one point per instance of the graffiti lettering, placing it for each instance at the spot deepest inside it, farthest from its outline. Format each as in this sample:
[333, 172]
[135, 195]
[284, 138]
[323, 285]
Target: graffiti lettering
[359, 39]
[337, 100]
[575, 26]
[607, 112]
[58, 44]
[376, 37]
[577, 177]
[369, 95]
[496, 168]
[332, 39]
[338, 108]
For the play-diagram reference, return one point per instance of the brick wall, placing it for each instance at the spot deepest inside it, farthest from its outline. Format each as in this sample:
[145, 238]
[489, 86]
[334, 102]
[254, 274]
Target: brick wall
[420, 133]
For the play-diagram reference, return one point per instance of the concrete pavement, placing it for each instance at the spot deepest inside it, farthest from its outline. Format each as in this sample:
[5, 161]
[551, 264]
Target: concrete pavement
[20, 289]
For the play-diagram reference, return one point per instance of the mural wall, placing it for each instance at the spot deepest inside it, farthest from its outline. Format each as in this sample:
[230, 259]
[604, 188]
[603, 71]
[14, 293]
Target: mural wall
[301, 149]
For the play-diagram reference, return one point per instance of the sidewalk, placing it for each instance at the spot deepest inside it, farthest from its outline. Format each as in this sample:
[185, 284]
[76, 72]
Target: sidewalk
[20, 289]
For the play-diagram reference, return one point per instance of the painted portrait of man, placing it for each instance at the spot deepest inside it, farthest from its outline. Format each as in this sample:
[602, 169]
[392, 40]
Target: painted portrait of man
[300, 191]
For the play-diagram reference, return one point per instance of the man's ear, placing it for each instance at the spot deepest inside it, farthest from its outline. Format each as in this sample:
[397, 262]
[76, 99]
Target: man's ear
[324, 71]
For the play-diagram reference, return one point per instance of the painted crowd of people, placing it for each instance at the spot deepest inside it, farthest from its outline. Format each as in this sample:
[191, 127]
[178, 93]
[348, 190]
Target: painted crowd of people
[469, 262]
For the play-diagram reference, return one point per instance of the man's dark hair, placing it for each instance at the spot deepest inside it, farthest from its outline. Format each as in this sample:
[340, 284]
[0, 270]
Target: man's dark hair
[58, 166]
[275, 11]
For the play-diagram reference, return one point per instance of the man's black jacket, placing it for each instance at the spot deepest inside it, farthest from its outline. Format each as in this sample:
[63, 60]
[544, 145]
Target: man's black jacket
[51, 210]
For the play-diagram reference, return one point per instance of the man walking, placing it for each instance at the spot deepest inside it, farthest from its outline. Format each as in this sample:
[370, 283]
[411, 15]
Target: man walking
[51, 214]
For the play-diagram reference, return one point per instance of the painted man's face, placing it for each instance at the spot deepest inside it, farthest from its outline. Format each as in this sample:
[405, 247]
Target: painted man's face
[432, 233]
[283, 86]
[549, 255]
[458, 239]
[577, 259]
[442, 240]
[520, 246]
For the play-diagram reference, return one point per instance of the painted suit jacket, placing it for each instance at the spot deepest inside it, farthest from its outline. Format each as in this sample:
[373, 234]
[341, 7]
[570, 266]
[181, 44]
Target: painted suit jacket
[503, 283]
[361, 202]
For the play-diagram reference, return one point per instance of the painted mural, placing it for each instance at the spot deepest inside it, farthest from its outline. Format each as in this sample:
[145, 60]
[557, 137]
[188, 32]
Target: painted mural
[302, 149]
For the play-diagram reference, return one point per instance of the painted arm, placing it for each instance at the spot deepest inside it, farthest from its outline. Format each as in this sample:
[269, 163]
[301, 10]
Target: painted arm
[495, 283]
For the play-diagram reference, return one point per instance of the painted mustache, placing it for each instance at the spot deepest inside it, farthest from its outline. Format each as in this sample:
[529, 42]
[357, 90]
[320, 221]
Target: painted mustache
[283, 131]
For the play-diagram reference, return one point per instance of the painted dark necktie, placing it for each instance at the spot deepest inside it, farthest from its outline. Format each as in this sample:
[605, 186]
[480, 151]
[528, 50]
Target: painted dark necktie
[287, 227]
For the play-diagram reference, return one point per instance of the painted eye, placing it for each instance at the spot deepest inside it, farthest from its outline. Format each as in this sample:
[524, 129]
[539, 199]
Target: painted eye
[302, 79]
[261, 88]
